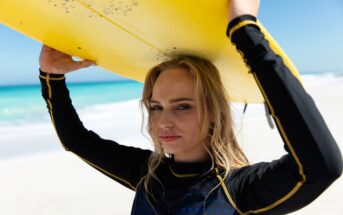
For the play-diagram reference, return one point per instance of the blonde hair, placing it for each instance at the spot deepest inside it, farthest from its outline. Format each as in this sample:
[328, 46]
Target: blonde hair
[213, 110]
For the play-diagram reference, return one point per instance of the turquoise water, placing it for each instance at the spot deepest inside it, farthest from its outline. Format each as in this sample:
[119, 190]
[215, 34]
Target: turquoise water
[23, 104]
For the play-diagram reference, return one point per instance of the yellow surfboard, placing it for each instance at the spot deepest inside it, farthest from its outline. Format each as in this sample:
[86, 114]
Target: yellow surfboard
[129, 37]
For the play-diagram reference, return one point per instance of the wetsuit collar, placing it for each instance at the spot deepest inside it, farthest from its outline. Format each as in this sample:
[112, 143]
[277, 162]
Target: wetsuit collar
[186, 169]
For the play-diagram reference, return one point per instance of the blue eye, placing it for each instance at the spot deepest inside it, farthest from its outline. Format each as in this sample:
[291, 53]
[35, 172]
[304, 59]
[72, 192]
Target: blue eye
[183, 107]
[155, 108]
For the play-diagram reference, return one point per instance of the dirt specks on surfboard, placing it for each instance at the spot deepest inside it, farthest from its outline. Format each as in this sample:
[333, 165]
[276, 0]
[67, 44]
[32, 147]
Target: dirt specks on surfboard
[107, 9]
[68, 6]
[119, 7]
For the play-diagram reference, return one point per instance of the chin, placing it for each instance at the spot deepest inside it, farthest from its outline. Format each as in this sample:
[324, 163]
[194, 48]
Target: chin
[170, 150]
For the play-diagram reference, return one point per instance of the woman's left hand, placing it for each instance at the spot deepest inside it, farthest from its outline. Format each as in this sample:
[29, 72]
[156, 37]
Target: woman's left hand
[243, 7]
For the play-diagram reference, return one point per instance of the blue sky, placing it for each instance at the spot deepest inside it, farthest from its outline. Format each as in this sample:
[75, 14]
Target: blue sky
[309, 31]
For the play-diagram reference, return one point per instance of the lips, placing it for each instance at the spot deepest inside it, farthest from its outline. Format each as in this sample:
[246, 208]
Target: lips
[169, 138]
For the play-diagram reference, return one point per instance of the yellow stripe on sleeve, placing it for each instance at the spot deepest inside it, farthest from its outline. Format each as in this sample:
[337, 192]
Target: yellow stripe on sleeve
[297, 186]
[52, 79]
[241, 24]
[48, 78]
[107, 173]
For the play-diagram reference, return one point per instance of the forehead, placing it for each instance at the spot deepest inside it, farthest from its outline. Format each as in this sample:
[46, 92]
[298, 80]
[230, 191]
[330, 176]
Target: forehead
[173, 84]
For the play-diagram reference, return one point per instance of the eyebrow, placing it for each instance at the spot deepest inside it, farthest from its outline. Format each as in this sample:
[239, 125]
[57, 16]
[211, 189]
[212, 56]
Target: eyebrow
[174, 100]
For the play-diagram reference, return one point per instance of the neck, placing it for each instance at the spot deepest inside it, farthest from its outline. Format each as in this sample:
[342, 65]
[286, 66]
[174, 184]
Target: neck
[191, 159]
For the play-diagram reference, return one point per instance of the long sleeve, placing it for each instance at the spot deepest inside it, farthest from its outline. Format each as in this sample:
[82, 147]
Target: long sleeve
[313, 160]
[126, 165]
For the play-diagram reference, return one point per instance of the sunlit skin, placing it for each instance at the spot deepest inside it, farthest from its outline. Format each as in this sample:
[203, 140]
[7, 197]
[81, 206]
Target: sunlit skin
[173, 116]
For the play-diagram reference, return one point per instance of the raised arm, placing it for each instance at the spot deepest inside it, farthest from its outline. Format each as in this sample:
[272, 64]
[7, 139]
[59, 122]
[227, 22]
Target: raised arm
[313, 161]
[123, 164]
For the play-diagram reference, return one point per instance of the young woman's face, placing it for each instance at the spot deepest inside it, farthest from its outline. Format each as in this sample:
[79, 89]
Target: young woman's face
[173, 116]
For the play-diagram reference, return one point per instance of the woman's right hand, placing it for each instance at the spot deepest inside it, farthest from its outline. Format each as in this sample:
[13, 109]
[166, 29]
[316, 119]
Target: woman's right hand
[243, 7]
[55, 62]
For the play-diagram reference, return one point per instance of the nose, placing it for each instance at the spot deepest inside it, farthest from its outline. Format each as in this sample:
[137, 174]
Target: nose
[166, 120]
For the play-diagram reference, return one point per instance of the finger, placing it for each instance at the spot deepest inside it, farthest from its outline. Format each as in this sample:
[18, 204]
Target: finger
[46, 48]
[81, 64]
[87, 63]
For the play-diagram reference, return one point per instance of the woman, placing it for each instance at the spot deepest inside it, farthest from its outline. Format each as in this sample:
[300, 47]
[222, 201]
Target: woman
[197, 166]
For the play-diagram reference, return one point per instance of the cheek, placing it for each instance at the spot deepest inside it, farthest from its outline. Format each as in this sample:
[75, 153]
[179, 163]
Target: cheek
[191, 124]
[154, 117]
[153, 124]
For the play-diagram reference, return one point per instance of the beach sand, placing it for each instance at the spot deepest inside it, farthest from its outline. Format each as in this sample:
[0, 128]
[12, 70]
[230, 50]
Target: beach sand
[54, 182]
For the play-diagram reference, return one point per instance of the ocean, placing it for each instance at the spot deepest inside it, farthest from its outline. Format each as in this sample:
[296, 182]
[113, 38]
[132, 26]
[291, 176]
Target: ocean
[111, 109]
[24, 104]
[26, 128]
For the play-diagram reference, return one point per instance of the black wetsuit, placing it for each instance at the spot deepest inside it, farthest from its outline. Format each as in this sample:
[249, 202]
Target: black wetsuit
[312, 163]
